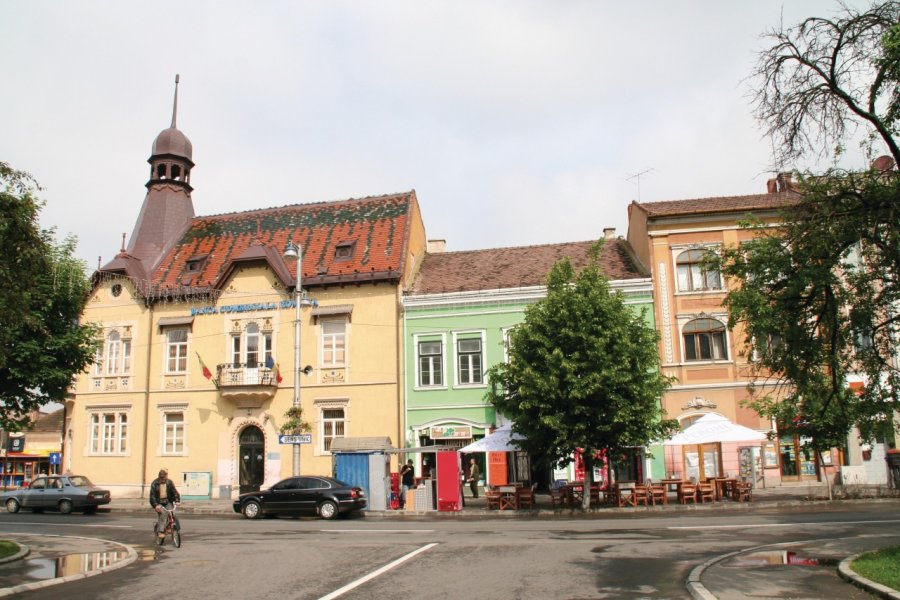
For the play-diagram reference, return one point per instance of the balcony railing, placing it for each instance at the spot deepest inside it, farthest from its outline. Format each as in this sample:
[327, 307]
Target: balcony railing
[247, 385]
[231, 374]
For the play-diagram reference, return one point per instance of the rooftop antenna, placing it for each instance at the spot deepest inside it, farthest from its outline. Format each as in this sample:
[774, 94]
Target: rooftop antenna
[175, 104]
[638, 177]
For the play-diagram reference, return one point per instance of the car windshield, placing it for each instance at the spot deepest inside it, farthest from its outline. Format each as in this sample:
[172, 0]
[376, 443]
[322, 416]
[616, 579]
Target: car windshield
[80, 481]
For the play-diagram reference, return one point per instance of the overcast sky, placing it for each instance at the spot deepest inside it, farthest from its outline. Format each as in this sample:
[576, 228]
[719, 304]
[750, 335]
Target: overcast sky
[517, 123]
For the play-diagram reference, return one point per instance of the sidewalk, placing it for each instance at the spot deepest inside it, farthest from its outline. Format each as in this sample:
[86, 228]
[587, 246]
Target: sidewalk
[797, 495]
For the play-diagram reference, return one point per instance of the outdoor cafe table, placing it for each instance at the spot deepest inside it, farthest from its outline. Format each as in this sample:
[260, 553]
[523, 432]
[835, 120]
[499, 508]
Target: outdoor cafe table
[575, 492]
[723, 485]
[509, 499]
[670, 483]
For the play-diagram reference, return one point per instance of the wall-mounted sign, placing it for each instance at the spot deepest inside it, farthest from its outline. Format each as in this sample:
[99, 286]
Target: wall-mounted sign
[16, 444]
[303, 438]
[239, 308]
[448, 432]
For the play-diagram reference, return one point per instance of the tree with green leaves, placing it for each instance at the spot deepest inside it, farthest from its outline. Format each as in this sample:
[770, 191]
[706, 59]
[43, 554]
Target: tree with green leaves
[583, 373]
[824, 79]
[818, 297]
[819, 301]
[43, 290]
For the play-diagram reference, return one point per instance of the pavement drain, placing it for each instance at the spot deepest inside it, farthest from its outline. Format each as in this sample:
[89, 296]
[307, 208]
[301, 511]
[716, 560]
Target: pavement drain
[780, 557]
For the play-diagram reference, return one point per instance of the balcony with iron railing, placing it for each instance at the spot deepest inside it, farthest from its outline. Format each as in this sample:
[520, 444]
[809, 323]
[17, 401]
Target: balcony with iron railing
[247, 385]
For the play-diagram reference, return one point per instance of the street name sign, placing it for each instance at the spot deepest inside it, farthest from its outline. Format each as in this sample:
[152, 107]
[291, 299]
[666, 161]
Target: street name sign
[303, 438]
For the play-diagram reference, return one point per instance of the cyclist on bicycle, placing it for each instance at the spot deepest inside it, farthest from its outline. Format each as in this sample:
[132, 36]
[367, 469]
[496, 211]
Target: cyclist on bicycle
[163, 495]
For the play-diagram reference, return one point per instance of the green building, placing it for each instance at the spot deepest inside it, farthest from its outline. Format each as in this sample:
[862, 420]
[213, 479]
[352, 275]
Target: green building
[456, 317]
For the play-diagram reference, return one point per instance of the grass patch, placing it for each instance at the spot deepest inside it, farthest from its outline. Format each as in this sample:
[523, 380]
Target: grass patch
[8, 548]
[881, 566]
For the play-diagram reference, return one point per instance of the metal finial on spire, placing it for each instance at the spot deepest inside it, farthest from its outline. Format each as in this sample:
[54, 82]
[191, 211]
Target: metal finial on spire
[123, 243]
[175, 104]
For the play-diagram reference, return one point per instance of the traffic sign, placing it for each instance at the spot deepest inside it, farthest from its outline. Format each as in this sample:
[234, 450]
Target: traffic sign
[303, 438]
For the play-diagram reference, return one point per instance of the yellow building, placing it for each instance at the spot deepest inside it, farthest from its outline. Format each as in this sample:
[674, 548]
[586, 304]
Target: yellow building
[197, 369]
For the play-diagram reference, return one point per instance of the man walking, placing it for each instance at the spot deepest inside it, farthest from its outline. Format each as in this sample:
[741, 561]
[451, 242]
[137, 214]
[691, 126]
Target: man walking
[407, 480]
[474, 476]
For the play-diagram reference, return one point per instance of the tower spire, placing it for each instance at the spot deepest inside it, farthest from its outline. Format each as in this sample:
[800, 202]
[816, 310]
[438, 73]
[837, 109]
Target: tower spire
[175, 104]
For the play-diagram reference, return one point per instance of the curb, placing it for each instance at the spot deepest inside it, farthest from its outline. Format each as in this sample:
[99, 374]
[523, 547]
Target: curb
[22, 553]
[25, 587]
[858, 580]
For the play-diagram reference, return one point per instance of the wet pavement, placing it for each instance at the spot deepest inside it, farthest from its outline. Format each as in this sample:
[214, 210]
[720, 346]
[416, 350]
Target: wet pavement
[796, 570]
[55, 559]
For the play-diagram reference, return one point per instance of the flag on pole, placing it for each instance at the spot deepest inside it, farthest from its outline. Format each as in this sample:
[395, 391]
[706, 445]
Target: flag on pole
[206, 372]
[278, 377]
[269, 362]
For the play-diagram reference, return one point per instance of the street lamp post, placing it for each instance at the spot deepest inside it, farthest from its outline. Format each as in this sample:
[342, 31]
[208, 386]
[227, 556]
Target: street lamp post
[294, 252]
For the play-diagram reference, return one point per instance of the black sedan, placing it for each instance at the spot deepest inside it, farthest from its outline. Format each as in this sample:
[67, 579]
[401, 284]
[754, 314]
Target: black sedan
[64, 493]
[308, 495]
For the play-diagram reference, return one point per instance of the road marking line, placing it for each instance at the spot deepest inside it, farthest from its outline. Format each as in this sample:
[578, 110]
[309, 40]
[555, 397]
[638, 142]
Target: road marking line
[754, 525]
[5, 523]
[377, 530]
[376, 573]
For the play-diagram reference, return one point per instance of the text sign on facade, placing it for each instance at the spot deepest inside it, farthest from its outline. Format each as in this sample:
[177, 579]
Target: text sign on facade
[303, 438]
[449, 432]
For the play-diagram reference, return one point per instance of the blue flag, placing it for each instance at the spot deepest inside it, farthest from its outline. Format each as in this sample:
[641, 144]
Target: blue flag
[269, 362]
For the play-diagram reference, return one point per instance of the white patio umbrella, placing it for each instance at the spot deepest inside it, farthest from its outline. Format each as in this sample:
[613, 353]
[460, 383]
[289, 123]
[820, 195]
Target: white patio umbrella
[501, 440]
[712, 428]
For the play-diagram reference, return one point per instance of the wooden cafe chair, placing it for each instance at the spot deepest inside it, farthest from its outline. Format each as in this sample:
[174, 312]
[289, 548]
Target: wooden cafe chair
[688, 492]
[658, 493]
[706, 492]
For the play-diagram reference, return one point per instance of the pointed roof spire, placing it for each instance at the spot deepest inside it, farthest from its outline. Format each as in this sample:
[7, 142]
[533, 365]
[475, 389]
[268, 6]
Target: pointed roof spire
[175, 103]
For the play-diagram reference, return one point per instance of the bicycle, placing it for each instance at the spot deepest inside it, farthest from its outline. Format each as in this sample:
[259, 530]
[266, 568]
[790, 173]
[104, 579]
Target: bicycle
[172, 528]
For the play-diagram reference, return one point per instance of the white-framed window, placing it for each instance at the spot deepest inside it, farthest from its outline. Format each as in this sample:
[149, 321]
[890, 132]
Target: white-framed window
[772, 341]
[469, 361]
[251, 347]
[693, 275]
[334, 343]
[109, 433]
[332, 424]
[115, 356]
[176, 350]
[431, 363]
[704, 339]
[173, 432]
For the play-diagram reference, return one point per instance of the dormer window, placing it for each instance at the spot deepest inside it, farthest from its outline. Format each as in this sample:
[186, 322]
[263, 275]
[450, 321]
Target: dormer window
[195, 264]
[344, 251]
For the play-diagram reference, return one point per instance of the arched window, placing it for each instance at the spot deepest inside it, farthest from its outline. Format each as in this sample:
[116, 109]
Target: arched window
[252, 348]
[161, 171]
[693, 275]
[176, 172]
[704, 339]
[118, 354]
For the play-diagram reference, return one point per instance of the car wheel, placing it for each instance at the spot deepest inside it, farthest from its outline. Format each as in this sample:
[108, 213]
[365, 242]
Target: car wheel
[65, 506]
[12, 505]
[328, 510]
[252, 510]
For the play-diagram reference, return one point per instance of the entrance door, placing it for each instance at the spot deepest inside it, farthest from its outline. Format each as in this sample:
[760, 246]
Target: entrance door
[252, 459]
[798, 461]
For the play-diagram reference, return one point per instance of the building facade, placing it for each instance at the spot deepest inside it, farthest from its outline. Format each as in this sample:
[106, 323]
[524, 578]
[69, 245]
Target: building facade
[196, 372]
[697, 348]
[455, 323]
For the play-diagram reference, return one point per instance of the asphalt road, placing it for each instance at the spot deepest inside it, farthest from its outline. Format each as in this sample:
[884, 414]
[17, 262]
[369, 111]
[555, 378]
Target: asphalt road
[616, 556]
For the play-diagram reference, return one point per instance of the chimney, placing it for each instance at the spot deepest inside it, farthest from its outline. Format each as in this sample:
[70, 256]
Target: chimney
[784, 181]
[609, 233]
[436, 246]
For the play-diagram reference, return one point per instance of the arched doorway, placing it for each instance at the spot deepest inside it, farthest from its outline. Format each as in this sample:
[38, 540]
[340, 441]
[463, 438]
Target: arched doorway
[252, 459]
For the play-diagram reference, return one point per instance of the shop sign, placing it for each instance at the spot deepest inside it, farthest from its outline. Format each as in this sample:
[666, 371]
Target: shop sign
[451, 432]
[16, 444]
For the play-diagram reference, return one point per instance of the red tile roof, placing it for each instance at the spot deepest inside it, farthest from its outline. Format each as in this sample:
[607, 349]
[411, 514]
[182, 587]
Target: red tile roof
[378, 225]
[500, 268]
[722, 204]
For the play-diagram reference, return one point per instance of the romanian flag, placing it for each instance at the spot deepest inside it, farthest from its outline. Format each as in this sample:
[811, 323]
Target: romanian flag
[278, 376]
[206, 372]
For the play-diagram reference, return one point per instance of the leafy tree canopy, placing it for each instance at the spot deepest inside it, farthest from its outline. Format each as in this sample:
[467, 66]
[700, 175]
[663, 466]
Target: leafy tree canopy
[818, 299]
[823, 79]
[43, 290]
[583, 372]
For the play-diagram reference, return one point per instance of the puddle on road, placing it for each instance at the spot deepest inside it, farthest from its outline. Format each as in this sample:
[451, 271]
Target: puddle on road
[70, 564]
[780, 557]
